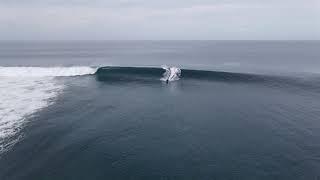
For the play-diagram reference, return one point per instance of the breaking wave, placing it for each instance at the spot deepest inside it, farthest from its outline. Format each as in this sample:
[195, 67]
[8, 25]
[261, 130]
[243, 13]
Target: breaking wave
[115, 73]
[45, 71]
[154, 74]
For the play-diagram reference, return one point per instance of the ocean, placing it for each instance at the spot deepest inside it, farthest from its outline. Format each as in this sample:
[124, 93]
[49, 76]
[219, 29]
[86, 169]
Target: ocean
[159, 110]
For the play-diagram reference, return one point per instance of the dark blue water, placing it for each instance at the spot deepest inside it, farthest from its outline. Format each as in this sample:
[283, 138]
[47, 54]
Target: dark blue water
[228, 122]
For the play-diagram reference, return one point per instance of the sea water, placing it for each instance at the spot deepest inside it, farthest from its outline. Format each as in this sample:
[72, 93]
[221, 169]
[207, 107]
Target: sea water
[102, 110]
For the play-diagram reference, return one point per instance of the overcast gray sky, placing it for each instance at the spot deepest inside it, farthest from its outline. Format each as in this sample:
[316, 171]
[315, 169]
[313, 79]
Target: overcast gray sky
[159, 19]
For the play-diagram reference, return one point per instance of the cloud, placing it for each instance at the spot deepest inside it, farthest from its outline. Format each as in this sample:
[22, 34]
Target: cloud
[151, 19]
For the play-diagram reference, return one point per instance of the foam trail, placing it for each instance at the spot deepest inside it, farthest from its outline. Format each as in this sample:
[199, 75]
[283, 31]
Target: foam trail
[26, 90]
[45, 71]
[20, 97]
[171, 74]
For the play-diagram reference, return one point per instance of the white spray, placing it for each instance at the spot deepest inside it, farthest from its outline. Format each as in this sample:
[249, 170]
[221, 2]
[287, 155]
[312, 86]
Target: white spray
[171, 74]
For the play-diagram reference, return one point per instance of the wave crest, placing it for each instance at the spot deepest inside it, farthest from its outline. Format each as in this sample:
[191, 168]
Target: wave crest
[46, 71]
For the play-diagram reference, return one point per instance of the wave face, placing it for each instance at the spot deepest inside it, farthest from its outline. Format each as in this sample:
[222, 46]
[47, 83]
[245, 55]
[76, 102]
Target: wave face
[45, 71]
[129, 73]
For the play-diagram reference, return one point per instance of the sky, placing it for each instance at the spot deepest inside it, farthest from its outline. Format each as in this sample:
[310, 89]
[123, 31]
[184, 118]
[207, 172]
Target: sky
[159, 19]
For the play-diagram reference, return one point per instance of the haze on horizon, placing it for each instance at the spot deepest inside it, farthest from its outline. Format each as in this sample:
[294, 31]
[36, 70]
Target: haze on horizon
[159, 20]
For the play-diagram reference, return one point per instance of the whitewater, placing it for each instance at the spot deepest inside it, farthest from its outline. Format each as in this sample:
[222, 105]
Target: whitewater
[25, 91]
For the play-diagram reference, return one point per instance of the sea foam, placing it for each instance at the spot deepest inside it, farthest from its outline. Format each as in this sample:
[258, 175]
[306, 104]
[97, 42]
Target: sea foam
[19, 98]
[45, 71]
[26, 90]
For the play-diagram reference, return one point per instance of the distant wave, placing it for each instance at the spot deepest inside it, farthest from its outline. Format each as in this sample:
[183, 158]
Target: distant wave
[45, 71]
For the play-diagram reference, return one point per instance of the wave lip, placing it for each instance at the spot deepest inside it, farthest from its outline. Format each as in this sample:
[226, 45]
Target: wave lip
[46, 71]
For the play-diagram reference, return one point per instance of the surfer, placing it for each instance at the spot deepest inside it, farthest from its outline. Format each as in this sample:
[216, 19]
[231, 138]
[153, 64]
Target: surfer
[167, 81]
[171, 74]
